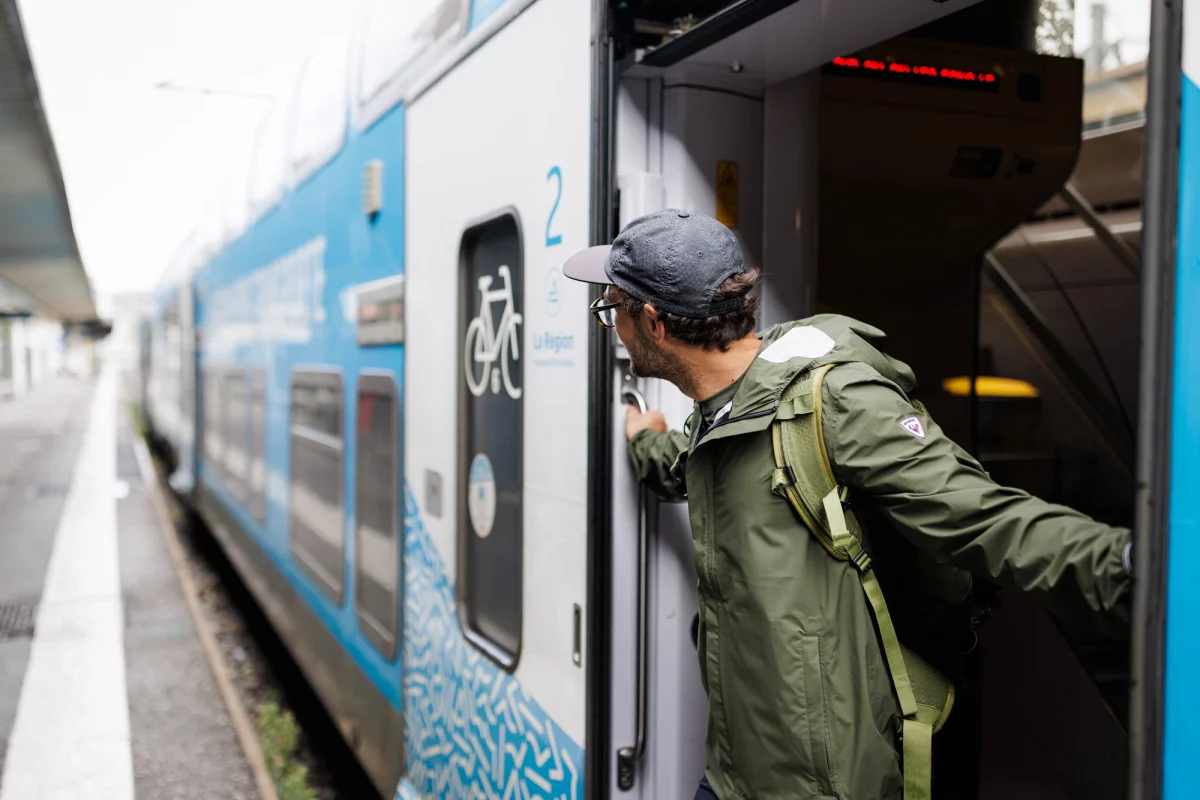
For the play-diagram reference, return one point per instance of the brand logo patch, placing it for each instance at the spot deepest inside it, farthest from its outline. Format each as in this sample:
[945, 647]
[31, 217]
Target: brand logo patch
[913, 426]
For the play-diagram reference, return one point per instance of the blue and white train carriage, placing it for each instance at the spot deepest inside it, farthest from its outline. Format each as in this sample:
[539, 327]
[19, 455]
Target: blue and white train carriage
[403, 427]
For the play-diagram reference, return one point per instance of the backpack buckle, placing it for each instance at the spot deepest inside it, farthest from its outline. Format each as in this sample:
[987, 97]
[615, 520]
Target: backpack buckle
[782, 479]
[862, 561]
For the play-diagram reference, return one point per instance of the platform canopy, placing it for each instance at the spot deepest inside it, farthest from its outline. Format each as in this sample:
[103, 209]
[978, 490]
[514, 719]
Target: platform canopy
[40, 268]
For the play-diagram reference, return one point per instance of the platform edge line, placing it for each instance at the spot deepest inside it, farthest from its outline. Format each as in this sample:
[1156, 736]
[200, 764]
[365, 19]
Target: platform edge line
[237, 712]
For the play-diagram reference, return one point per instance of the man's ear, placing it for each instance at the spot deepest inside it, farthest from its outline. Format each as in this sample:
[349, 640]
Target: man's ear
[654, 326]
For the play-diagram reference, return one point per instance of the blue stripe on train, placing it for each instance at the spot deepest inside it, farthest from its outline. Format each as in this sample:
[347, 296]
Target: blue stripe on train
[274, 325]
[1181, 767]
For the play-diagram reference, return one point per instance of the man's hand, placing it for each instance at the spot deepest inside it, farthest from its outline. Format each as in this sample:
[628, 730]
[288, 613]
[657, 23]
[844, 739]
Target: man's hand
[636, 421]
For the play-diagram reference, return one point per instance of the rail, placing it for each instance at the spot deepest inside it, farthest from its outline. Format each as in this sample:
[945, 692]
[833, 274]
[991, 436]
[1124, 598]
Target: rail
[1121, 250]
[1078, 385]
[628, 757]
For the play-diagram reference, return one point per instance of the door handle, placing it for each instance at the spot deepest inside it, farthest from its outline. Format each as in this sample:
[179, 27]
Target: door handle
[633, 397]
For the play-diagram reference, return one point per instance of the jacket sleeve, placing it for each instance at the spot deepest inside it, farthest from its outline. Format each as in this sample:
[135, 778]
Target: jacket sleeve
[940, 498]
[654, 455]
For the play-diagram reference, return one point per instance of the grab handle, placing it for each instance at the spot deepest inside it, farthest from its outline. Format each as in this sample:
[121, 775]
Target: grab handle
[628, 757]
[631, 396]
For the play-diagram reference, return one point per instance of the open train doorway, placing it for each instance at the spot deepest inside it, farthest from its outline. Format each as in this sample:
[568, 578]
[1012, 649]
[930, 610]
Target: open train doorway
[951, 176]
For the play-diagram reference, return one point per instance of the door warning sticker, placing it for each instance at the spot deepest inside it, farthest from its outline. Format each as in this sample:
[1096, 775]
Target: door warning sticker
[727, 194]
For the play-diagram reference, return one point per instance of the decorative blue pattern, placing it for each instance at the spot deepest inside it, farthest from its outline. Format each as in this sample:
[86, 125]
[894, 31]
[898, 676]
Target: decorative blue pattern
[472, 729]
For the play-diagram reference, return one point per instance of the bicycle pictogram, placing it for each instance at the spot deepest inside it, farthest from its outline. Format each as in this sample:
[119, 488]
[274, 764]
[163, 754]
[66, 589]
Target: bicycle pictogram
[484, 345]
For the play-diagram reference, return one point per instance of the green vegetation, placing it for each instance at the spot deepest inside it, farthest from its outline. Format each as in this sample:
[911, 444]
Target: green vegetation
[278, 734]
[139, 422]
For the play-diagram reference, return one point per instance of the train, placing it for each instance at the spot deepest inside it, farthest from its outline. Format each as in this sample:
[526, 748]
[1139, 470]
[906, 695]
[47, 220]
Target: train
[371, 381]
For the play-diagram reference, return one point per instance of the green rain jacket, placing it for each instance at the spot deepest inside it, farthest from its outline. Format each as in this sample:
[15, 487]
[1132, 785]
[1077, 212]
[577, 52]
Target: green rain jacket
[800, 703]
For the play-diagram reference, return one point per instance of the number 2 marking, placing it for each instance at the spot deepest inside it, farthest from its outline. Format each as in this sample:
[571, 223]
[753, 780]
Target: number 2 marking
[555, 172]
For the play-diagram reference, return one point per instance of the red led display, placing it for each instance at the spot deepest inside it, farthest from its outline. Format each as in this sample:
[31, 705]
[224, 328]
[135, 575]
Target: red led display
[926, 71]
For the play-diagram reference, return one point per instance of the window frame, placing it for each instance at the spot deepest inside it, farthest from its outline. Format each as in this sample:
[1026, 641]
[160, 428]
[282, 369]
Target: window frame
[329, 53]
[257, 422]
[213, 456]
[500, 654]
[318, 376]
[380, 384]
[237, 486]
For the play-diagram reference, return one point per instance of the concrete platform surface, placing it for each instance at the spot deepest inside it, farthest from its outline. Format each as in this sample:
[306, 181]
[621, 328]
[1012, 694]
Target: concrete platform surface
[105, 691]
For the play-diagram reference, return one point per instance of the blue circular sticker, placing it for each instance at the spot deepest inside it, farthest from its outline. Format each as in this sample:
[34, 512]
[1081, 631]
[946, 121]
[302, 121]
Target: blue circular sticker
[481, 495]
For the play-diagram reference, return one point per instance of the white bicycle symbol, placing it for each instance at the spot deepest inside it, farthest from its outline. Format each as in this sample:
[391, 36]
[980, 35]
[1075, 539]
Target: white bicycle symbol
[482, 347]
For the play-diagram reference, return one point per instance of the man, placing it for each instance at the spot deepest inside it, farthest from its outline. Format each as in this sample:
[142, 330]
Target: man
[800, 700]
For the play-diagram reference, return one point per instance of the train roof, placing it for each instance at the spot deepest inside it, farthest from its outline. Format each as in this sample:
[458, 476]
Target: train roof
[361, 69]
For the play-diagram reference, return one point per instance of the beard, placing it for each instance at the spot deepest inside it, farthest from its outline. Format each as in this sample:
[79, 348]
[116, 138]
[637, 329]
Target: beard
[648, 360]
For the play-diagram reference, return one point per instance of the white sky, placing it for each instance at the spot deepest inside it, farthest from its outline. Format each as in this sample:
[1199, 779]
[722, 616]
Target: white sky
[140, 163]
[1127, 20]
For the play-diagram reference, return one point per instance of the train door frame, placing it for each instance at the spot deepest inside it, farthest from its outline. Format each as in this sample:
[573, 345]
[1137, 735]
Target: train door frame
[1161, 207]
[189, 405]
[1160, 219]
[598, 739]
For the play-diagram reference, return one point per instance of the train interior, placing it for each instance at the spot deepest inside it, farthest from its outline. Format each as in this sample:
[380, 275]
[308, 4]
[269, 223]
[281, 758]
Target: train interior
[937, 177]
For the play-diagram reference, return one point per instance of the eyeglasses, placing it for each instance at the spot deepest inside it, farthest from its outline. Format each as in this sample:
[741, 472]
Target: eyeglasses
[606, 313]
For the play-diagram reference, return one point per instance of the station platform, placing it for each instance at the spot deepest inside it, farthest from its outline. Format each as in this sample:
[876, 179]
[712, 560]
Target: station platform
[105, 690]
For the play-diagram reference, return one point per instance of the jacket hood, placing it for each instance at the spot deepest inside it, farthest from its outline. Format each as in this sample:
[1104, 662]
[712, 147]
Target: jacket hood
[792, 347]
[789, 349]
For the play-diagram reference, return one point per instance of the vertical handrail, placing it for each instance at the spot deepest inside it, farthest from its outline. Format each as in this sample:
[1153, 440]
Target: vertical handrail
[628, 757]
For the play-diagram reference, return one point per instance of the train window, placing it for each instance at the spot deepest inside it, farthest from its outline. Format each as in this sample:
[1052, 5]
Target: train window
[377, 511]
[316, 480]
[269, 169]
[234, 208]
[235, 430]
[213, 441]
[321, 103]
[258, 445]
[489, 479]
[400, 39]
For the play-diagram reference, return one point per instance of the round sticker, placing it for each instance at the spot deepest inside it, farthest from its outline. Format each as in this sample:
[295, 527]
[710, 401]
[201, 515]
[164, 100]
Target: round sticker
[481, 495]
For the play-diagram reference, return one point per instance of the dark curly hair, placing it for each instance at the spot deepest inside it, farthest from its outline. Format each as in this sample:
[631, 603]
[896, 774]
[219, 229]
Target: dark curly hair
[711, 333]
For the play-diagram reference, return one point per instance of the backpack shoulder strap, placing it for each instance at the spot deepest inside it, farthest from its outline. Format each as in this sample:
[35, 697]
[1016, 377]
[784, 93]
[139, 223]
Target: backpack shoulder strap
[800, 475]
[804, 473]
[804, 476]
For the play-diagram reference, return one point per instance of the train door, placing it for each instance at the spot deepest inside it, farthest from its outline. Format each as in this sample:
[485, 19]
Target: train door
[189, 430]
[497, 197]
[869, 159]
